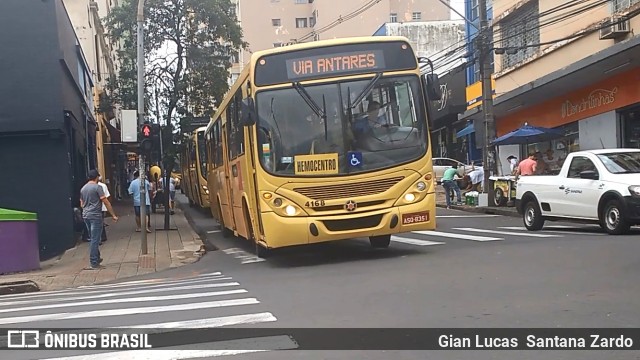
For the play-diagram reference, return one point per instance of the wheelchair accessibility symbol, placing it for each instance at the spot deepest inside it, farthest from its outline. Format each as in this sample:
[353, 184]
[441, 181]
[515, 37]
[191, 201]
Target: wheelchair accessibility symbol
[355, 158]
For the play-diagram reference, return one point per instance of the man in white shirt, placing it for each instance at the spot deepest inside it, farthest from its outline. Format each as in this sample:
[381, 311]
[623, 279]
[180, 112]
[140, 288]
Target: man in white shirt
[104, 208]
[172, 192]
[476, 179]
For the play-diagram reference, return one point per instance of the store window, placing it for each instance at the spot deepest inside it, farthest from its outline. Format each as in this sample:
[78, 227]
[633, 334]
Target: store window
[631, 128]
[554, 152]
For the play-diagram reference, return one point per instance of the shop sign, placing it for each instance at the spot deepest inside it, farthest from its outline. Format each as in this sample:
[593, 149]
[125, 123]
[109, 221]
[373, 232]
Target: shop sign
[594, 100]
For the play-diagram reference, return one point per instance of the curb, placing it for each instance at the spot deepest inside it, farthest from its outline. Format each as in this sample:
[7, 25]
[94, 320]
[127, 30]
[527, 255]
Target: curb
[18, 287]
[202, 236]
[482, 210]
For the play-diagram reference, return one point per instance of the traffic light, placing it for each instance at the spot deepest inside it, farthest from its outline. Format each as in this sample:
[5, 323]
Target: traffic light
[146, 141]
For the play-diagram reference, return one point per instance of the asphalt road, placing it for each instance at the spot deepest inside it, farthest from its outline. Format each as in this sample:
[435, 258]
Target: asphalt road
[478, 271]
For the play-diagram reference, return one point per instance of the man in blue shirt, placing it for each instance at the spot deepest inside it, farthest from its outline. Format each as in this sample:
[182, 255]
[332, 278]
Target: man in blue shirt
[134, 189]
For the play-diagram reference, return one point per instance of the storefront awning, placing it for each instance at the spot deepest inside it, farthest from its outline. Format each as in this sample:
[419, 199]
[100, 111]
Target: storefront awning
[601, 65]
[470, 129]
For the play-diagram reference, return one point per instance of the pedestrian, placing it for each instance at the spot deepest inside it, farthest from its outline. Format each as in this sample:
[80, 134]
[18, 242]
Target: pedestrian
[527, 166]
[104, 208]
[91, 199]
[449, 183]
[172, 192]
[134, 189]
[513, 164]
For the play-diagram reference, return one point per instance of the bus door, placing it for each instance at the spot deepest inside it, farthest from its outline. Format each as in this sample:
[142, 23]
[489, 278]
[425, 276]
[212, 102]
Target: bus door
[236, 162]
[226, 204]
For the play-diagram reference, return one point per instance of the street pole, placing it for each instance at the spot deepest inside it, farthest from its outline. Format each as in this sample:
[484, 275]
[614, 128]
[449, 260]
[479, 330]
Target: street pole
[484, 42]
[143, 188]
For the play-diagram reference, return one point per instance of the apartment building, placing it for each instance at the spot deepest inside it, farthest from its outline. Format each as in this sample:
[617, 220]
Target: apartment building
[571, 65]
[86, 17]
[272, 23]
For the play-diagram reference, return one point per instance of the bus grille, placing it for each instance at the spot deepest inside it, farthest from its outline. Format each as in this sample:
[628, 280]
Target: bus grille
[330, 192]
[352, 224]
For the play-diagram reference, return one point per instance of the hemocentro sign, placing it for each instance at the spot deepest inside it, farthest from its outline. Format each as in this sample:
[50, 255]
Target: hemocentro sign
[342, 60]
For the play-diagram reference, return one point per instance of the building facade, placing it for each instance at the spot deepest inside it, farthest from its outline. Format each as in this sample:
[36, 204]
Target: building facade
[86, 17]
[572, 67]
[272, 23]
[47, 126]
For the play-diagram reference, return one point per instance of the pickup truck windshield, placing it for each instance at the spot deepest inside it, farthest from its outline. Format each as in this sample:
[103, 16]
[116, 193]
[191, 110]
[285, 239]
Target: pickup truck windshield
[621, 162]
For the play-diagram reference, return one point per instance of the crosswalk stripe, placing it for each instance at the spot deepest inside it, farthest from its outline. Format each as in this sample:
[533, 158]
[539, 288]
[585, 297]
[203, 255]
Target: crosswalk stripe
[558, 230]
[243, 319]
[457, 236]
[411, 241]
[260, 344]
[101, 293]
[138, 282]
[465, 216]
[126, 300]
[507, 232]
[128, 311]
[157, 282]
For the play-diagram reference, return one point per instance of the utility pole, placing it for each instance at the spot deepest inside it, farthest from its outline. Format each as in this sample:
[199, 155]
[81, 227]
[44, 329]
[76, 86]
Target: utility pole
[484, 48]
[143, 181]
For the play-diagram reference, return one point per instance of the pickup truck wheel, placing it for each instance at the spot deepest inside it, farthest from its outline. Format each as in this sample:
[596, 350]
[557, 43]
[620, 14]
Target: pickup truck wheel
[532, 216]
[613, 218]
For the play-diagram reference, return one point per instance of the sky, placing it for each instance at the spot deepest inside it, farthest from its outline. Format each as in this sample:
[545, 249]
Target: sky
[459, 6]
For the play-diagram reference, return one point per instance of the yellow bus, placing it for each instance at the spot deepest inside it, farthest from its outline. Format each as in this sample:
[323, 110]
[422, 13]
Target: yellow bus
[194, 169]
[324, 141]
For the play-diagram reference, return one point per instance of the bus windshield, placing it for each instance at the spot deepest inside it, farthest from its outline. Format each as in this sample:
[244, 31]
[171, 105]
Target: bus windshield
[341, 128]
[202, 154]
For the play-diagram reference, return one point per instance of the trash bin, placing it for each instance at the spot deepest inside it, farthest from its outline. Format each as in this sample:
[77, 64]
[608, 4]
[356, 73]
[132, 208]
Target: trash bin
[19, 249]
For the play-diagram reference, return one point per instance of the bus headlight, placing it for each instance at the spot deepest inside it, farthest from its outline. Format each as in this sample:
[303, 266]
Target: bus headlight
[421, 186]
[206, 190]
[277, 202]
[409, 197]
[290, 210]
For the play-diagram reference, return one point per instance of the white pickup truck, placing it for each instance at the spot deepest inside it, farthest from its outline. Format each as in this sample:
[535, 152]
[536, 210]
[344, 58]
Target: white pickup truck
[599, 186]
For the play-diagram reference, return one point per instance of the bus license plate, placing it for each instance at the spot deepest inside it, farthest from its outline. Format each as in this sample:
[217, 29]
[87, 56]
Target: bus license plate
[413, 218]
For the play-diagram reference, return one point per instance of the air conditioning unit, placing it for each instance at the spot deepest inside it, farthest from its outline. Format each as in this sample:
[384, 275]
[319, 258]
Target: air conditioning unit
[614, 28]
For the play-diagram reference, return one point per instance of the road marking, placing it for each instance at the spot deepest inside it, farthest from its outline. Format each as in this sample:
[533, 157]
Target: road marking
[465, 216]
[208, 323]
[213, 231]
[108, 287]
[558, 231]
[260, 344]
[128, 311]
[457, 236]
[126, 300]
[157, 355]
[411, 241]
[243, 256]
[507, 232]
[195, 284]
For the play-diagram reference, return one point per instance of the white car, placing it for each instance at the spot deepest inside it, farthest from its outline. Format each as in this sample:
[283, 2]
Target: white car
[600, 186]
[442, 164]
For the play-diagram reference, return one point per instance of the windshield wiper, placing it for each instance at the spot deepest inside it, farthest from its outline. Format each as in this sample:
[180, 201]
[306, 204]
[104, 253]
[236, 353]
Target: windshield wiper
[366, 90]
[322, 113]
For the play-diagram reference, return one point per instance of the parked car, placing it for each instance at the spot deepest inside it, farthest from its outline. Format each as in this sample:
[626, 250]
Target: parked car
[599, 186]
[442, 164]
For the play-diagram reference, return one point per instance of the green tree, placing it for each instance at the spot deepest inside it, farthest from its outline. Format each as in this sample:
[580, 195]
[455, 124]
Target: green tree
[188, 45]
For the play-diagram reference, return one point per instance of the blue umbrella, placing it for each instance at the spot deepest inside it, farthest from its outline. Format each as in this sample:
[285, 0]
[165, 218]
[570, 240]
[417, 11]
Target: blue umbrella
[528, 134]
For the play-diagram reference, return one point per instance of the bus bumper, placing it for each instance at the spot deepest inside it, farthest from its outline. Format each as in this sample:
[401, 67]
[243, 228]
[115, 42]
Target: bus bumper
[282, 231]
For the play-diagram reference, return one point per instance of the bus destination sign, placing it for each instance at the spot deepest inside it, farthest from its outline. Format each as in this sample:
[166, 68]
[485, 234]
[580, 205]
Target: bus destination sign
[334, 61]
[334, 64]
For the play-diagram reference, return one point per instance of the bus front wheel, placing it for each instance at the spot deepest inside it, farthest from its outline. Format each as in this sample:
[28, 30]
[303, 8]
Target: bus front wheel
[381, 241]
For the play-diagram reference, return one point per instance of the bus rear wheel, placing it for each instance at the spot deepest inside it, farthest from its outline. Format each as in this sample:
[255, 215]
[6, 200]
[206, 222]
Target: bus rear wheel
[381, 241]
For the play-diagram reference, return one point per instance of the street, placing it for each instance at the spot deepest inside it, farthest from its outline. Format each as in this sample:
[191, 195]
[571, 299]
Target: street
[476, 271]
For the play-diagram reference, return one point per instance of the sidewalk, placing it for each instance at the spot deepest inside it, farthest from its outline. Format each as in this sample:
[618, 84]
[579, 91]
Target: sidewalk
[121, 253]
[502, 210]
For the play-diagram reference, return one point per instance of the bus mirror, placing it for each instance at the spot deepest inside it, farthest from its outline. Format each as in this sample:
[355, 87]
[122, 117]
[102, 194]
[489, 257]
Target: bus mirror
[433, 87]
[248, 113]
